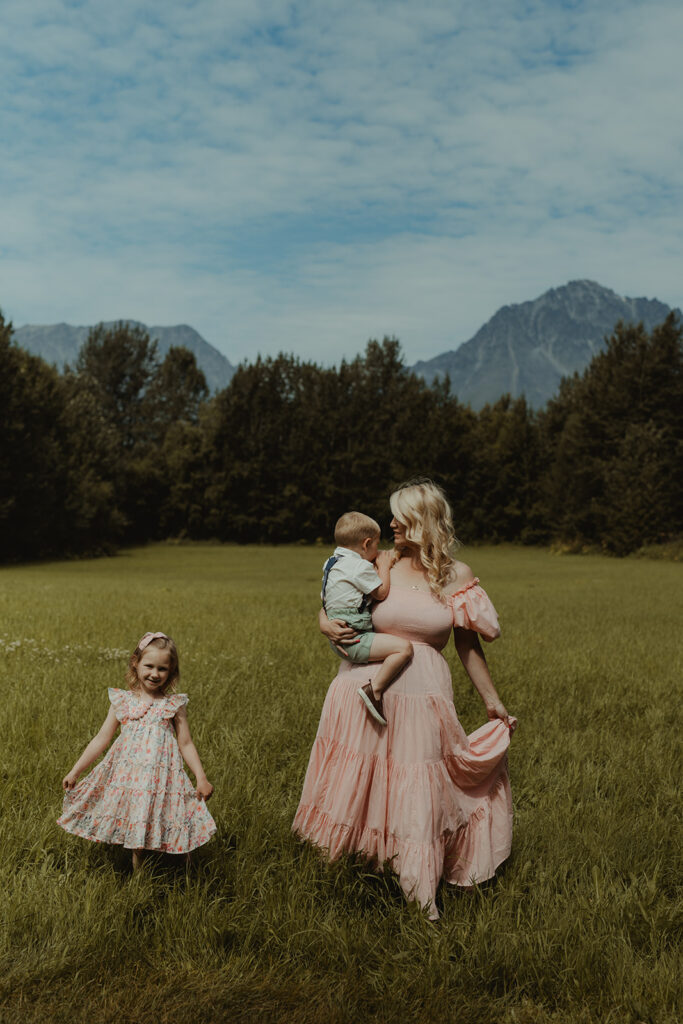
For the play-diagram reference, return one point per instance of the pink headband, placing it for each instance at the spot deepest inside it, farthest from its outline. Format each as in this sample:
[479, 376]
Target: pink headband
[148, 637]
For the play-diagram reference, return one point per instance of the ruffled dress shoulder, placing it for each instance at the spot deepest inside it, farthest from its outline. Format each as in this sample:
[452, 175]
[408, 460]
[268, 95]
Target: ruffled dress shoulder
[419, 793]
[139, 795]
[128, 707]
[473, 609]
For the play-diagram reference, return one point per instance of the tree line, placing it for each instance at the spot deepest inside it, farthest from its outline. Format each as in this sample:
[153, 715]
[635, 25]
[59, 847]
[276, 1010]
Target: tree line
[126, 447]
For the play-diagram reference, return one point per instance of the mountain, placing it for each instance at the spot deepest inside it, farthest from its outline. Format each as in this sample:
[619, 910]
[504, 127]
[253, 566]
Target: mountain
[527, 348]
[59, 344]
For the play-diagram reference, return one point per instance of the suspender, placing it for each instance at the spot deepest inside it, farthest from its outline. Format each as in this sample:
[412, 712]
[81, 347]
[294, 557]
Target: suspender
[332, 560]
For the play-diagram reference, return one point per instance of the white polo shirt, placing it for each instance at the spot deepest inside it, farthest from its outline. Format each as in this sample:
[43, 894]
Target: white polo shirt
[350, 577]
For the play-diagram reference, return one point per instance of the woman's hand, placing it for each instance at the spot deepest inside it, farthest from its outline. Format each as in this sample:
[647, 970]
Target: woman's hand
[70, 780]
[498, 710]
[337, 631]
[340, 634]
[472, 657]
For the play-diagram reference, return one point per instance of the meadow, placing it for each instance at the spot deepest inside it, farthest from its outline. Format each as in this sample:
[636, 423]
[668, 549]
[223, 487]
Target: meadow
[580, 926]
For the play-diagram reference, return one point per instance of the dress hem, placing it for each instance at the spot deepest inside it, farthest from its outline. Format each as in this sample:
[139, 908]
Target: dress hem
[152, 849]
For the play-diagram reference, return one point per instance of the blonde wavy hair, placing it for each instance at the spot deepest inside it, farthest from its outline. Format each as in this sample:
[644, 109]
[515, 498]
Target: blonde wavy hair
[164, 644]
[422, 508]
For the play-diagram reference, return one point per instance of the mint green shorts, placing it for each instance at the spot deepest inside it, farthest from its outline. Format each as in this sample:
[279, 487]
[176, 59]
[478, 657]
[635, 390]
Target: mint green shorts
[359, 652]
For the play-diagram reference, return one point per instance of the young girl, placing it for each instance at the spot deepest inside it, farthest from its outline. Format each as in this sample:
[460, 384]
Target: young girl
[139, 796]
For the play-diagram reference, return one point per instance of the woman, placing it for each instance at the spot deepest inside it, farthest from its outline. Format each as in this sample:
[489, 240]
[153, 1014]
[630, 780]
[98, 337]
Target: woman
[418, 793]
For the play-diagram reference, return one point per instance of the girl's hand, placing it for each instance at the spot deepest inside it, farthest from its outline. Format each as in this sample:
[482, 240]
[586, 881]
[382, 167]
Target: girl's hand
[70, 780]
[498, 710]
[204, 789]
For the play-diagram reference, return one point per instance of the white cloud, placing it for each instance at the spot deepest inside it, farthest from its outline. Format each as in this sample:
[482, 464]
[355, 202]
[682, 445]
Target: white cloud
[304, 176]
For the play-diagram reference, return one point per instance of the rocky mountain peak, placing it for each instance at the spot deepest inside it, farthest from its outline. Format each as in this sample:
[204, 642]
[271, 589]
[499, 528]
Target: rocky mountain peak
[60, 344]
[528, 347]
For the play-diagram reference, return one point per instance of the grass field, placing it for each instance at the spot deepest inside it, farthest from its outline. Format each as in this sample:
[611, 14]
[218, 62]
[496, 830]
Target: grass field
[580, 926]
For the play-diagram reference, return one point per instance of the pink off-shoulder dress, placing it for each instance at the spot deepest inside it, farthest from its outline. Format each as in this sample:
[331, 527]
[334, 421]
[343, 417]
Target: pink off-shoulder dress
[139, 795]
[419, 792]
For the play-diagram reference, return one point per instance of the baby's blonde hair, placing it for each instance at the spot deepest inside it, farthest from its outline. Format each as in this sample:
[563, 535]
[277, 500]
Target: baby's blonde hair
[422, 508]
[164, 643]
[353, 527]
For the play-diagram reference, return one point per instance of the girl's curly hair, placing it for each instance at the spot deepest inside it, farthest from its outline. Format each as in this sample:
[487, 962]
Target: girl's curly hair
[164, 644]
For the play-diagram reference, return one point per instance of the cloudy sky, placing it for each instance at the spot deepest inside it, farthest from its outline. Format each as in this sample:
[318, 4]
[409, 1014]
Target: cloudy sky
[303, 176]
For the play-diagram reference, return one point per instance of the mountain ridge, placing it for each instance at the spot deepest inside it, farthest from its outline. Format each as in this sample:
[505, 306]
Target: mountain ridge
[60, 344]
[526, 348]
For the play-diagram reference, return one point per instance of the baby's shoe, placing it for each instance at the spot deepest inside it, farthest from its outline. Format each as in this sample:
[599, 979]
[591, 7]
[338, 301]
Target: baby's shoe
[374, 706]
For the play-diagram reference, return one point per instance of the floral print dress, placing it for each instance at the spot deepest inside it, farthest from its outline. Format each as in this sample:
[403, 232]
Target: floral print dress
[139, 795]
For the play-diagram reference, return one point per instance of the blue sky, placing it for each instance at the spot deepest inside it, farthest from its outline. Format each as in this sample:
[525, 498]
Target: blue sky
[302, 176]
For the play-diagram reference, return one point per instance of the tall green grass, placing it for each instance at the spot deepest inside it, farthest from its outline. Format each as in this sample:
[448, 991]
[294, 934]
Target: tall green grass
[580, 925]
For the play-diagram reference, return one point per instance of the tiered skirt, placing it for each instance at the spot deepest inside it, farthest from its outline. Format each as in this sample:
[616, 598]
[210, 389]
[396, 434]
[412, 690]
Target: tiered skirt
[418, 793]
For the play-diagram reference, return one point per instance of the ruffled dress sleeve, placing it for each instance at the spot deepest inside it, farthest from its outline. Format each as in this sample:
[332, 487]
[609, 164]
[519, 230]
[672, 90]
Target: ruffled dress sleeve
[173, 704]
[119, 702]
[473, 609]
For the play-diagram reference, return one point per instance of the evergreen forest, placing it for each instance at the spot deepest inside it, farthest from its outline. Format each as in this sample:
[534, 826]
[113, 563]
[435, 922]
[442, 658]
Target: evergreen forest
[124, 447]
